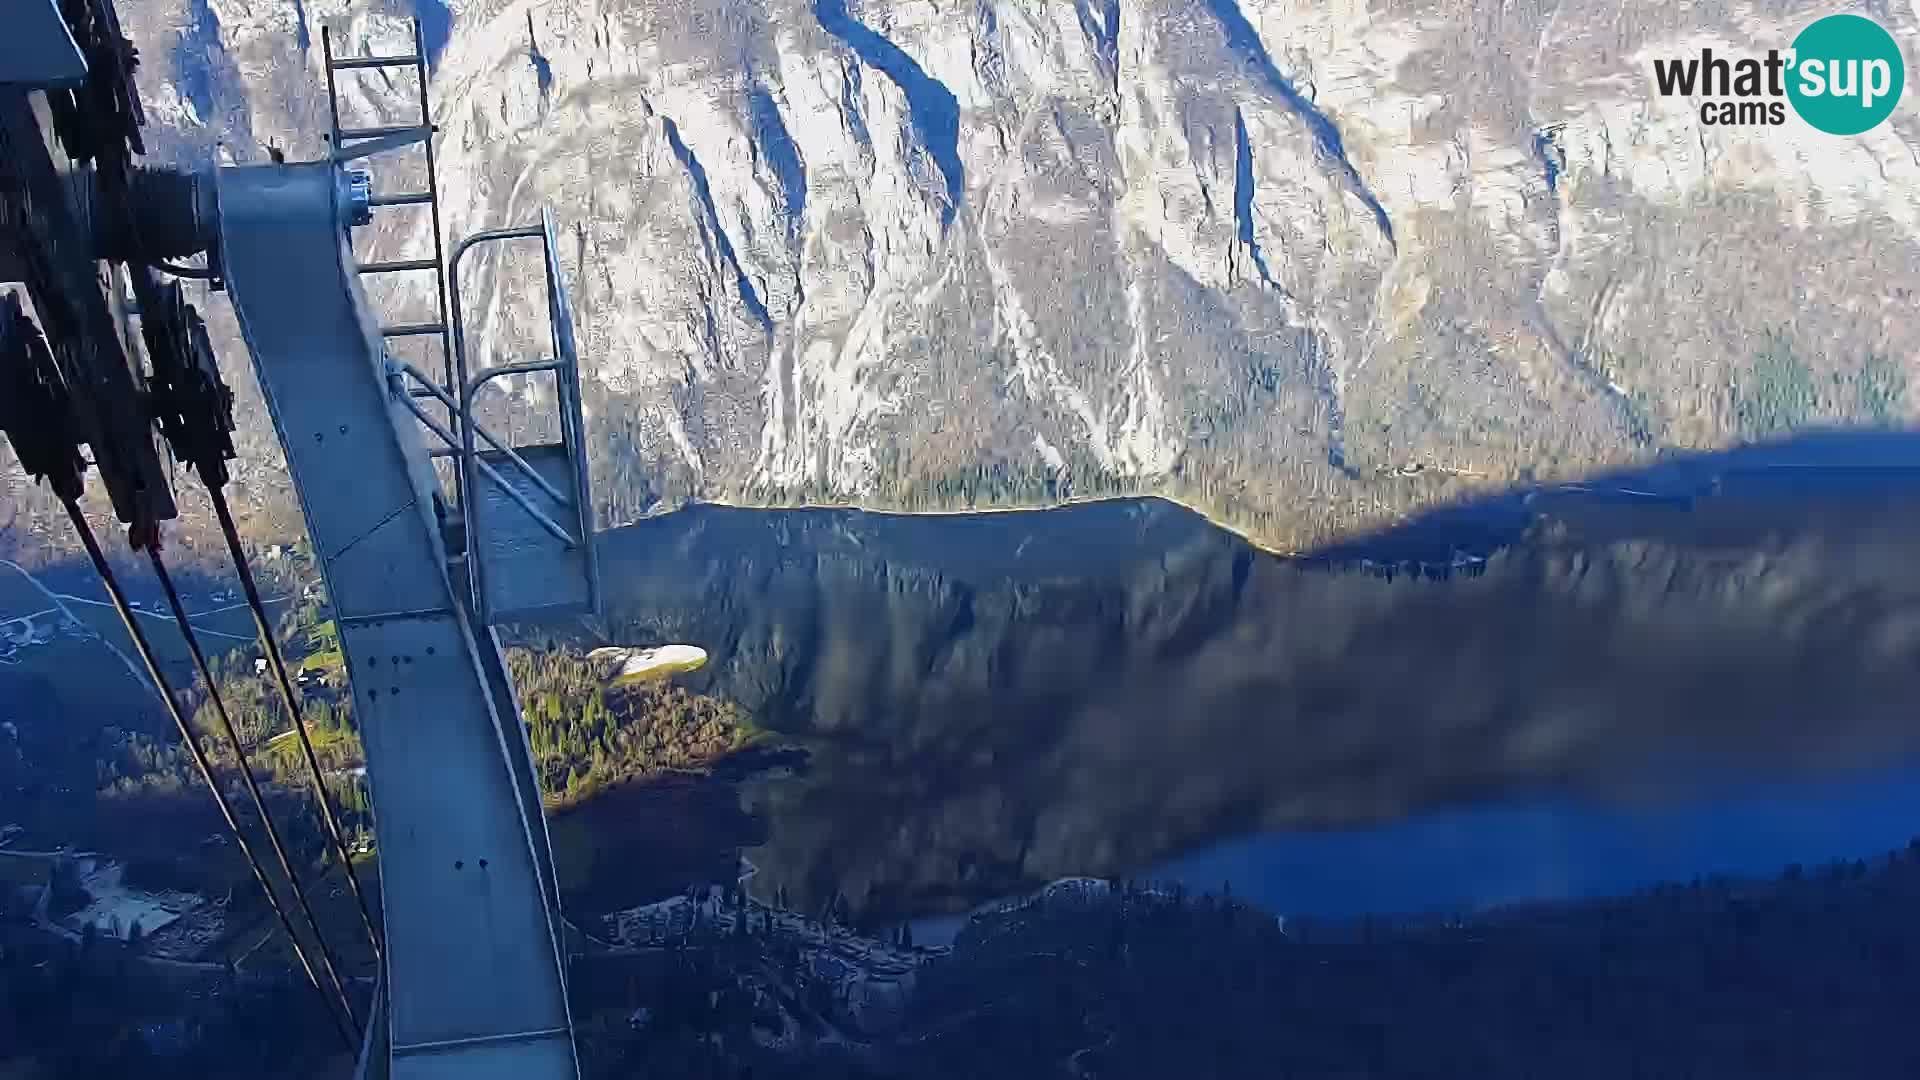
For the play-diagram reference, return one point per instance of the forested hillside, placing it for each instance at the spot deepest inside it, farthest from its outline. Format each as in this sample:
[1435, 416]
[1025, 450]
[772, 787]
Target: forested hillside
[585, 737]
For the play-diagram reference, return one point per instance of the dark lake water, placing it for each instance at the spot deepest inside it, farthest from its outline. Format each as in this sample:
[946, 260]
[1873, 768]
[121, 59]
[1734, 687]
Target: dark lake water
[1517, 850]
[1686, 671]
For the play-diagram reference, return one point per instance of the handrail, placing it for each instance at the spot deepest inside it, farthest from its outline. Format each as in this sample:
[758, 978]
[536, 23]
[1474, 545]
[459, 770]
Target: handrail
[458, 322]
[460, 249]
[573, 429]
[447, 399]
[493, 474]
[565, 364]
[525, 367]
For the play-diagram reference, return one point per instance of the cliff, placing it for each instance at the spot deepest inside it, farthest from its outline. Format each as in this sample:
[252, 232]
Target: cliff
[1306, 266]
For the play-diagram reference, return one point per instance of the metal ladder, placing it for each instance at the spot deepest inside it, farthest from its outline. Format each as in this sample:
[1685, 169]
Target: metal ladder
[525, 514]
[347, 144]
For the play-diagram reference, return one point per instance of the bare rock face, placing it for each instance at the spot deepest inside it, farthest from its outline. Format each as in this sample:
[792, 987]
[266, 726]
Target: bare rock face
[1287, 261]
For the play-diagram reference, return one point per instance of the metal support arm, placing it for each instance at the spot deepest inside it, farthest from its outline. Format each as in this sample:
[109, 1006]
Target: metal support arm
[476, 975]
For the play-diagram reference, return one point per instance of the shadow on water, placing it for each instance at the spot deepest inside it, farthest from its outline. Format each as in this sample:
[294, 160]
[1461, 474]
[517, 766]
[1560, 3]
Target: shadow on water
[637, 842]
[675, 830]
[992, 701]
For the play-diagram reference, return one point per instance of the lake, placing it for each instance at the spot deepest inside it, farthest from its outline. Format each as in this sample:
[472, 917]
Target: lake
[1646, 677]
[1520, 850]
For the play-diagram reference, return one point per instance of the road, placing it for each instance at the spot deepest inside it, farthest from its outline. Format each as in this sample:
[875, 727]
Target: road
[61, 600]
[60, 604]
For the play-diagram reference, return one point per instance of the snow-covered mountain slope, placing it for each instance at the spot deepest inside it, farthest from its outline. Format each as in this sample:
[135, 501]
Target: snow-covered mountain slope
[1269, 256]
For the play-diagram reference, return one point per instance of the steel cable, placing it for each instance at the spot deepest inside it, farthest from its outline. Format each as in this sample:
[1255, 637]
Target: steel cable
[199, 753]
[290, 699]
[252, 784]
[193, 407]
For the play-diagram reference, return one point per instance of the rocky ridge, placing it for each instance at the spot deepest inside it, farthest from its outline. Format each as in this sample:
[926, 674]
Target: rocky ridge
[1306, 266]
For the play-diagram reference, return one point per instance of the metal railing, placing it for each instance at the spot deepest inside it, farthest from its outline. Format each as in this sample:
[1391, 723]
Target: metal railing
[467, 431]
[486, 470]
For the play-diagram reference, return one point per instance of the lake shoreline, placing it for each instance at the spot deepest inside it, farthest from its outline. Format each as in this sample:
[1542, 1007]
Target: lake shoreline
[1039, 508]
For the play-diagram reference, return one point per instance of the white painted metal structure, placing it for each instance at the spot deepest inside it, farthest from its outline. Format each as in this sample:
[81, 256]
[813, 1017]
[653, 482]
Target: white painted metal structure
[476, 982]
[475, 978]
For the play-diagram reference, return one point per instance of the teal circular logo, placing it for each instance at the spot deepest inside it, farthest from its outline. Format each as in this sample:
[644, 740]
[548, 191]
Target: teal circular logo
[1847, 74]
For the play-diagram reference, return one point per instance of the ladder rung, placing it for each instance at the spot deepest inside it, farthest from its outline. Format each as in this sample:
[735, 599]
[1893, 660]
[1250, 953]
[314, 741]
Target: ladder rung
[404, 198]
[413, 329]
[382, 129]
[341, 63]
[382, 144]
[399, 264]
